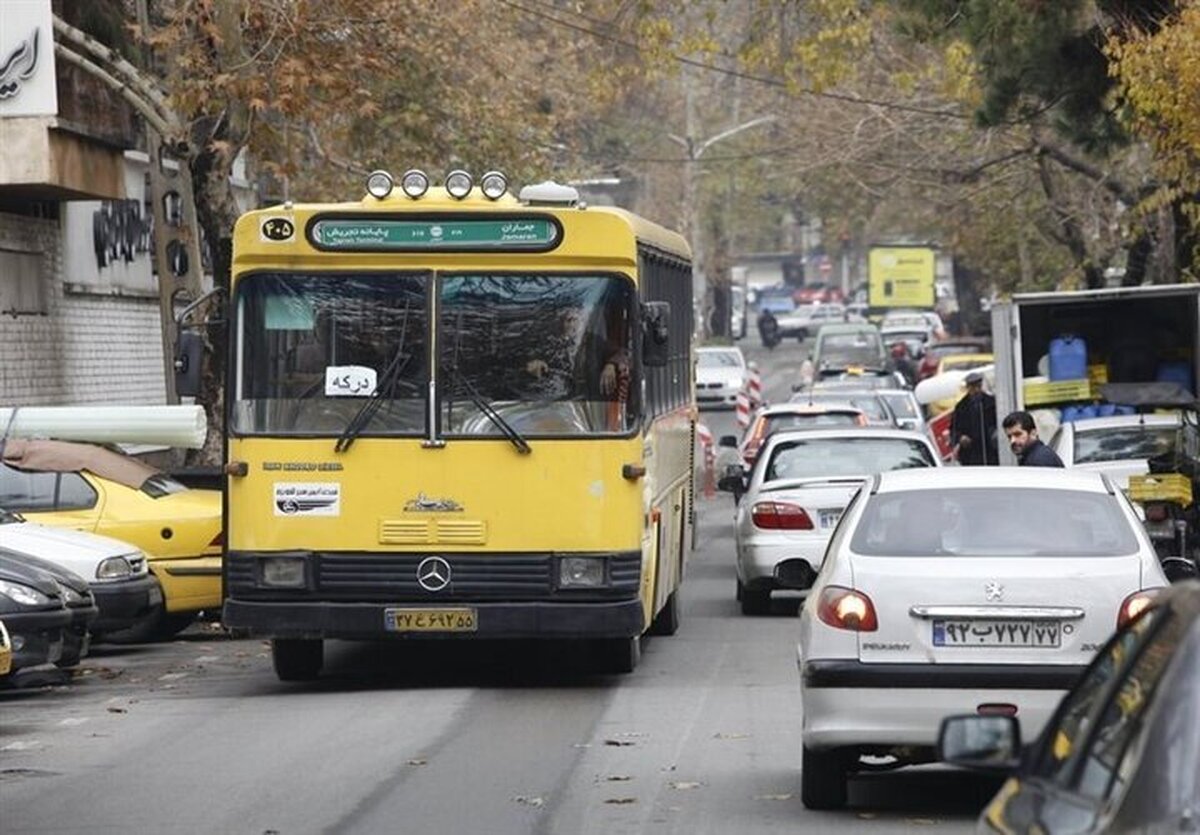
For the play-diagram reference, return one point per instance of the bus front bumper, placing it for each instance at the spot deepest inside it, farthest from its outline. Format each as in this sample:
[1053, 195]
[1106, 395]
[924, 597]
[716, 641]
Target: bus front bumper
[591, 619]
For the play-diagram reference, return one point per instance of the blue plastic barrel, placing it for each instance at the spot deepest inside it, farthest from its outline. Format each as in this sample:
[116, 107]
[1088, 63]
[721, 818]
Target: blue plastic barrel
[1068, 358]
[1176, 372]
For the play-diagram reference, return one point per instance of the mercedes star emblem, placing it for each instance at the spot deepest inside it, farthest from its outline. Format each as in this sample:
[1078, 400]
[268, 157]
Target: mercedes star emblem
[994, 592]
[433, 574]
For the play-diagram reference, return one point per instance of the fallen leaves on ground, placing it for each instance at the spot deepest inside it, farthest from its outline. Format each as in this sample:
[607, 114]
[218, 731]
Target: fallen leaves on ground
[731, 736]
[535, 802]
[621, 801]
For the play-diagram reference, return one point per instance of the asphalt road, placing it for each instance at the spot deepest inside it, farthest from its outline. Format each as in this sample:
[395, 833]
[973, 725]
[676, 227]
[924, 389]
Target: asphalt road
[197, 735]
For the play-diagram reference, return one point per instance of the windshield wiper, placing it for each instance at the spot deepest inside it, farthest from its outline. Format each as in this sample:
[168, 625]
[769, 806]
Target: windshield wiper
[388, 382]
[461, 382]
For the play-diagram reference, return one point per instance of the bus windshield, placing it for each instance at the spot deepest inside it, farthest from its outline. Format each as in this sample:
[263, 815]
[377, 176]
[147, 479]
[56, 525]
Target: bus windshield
[311, 347]
[549, 353]
[539, 355]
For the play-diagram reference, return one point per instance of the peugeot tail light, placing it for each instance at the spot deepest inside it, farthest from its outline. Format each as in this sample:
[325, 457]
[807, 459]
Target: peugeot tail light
[844, 608]
[780, 516]
[1134, 605]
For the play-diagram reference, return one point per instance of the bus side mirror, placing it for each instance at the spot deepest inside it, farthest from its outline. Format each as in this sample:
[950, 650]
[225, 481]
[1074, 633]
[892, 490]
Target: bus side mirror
[189, 352]
[655, 333]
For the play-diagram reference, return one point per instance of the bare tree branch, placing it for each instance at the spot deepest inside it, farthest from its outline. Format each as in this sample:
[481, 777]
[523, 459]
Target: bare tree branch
[171, 133]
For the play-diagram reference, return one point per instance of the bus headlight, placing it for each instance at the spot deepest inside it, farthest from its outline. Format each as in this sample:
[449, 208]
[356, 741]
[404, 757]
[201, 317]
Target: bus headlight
[493, 185]
[379, 184]
[283, 572]
[458, 184]
[414, 183]
[581, 572]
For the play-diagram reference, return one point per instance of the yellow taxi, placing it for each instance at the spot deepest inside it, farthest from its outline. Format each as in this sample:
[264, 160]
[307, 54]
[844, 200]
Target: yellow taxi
[957, 362]
[6, 651]
[96, 489]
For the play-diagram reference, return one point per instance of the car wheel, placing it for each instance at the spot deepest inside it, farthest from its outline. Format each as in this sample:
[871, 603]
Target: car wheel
[823, 776]
[667, 620]
[297, 659]
[754, 602]
[617, 655]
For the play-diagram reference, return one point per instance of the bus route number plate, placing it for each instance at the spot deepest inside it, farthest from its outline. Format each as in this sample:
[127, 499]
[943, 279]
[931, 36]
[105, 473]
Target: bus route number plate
[430, 620]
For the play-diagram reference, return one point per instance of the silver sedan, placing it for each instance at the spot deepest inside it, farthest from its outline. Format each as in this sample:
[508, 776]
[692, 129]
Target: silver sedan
[791, 501]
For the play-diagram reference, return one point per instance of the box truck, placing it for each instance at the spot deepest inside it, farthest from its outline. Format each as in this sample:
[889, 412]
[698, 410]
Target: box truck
[1056, 350]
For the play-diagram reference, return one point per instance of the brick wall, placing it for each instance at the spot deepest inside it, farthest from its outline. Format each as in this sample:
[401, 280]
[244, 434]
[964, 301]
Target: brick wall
[89, 348]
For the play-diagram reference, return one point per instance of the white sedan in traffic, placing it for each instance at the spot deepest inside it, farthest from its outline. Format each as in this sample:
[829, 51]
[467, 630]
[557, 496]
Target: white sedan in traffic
[720, 375]
[959, 590]
[795, 494]
[1119, 446]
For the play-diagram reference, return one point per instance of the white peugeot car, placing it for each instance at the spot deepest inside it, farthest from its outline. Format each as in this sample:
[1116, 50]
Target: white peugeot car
[720, 375]
[795, 494]
[1118, 446]
[959, 590]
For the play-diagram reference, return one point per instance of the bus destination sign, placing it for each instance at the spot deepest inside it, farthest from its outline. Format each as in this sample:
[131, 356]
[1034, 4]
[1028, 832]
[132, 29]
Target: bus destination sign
[458, 234]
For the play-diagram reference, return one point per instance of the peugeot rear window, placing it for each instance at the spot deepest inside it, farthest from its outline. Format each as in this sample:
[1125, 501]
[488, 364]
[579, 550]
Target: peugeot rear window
[994, 522]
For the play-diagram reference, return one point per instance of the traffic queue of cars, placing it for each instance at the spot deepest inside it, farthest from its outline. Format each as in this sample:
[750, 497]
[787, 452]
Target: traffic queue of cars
[966, 615]
[97, 545]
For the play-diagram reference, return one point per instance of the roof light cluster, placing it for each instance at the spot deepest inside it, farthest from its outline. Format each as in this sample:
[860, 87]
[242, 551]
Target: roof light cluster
[459, 183]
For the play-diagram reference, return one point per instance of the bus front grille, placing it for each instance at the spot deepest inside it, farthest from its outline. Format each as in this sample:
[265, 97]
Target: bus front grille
[390, 577]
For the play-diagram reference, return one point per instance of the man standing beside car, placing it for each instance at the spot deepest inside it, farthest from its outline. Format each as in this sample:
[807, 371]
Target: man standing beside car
[973, 426]
[1021, 431]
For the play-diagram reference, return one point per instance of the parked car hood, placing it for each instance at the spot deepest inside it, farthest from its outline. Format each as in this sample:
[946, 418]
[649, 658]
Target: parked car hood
[79, 551]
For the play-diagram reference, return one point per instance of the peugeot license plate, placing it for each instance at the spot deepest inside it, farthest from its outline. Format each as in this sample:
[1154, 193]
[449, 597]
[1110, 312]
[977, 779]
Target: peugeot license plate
[997, 633]
[830, 517]
[430, 620]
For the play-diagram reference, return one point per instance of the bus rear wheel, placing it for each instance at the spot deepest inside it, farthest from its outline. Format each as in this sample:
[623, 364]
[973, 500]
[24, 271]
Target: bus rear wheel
[297, 659]
[667, 620]
[617, 655]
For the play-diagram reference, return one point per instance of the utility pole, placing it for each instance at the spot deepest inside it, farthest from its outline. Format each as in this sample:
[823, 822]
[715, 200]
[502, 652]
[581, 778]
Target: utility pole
[695, 148]
[176, 231]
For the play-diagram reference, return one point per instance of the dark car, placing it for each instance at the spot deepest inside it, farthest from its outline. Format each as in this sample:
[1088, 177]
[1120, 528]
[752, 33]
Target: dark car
[1122, 751]
[35, 614]
[78, 599]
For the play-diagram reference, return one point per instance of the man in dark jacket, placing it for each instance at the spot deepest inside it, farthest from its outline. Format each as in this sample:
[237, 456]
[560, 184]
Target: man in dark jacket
[973, 426]
[1023, 439]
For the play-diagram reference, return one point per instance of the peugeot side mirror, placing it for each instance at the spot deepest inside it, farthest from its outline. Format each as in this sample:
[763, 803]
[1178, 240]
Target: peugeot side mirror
[728, 441]
[655, 333]
[988, 743]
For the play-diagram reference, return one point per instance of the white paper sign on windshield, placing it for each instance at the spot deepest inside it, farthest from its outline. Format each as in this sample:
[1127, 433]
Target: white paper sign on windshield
[349, 381]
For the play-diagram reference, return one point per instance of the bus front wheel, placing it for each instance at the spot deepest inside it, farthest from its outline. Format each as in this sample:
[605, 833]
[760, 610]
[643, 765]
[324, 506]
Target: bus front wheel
[297, 659]
[667, 620]
[617, 655]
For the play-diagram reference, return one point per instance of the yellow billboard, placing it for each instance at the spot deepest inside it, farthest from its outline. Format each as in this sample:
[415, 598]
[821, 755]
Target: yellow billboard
[900, 276]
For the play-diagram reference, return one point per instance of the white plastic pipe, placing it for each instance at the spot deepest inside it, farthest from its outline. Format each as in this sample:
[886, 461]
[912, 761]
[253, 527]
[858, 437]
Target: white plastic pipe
[177, 426]
[949, 384]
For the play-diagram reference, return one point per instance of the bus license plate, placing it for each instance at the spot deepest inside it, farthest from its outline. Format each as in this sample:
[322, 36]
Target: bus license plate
[997, 633]
[430, 620]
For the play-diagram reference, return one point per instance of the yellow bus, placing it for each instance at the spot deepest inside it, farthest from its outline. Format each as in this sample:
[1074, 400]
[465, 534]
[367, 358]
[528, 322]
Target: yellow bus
[456, 413]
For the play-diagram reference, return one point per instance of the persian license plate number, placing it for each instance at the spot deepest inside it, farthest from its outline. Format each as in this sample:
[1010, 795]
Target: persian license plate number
[829, 518]
[997, 633]
[430, 620]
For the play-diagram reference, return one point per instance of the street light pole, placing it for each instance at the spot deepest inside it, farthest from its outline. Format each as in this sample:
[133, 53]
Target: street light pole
[695, 149]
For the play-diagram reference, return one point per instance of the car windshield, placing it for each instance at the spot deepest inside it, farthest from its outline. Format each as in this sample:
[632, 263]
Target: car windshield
[834, 457]
[865, 402]
[901, 404]
[776, 423]
[1123, 443]
[718, 359]
[988, 521]
[844, 349]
